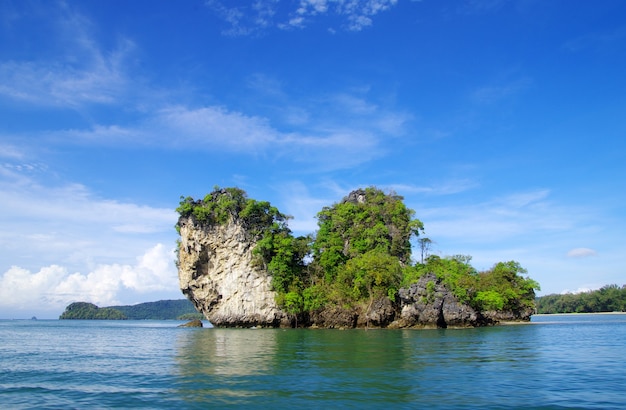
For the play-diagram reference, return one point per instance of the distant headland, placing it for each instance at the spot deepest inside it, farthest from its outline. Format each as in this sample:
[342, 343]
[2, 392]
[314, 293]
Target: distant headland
[181, 309]
[609, 298]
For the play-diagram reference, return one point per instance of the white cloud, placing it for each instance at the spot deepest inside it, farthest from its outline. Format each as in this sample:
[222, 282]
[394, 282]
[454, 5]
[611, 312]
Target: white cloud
[298, 202]
[358, 13]
[74, 203]
[80, 73]
[10, 152]
[69, 225]
[62, 85]
[216, 126]
[61, 243]
[182, 127]
[579, 290]
[329, 143]
[499, 218]
[355, 14]
[52, 287]
[353, 104]
[581, 253]
[449, 187]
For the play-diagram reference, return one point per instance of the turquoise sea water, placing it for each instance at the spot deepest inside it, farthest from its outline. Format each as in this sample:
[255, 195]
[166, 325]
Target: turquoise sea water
[555, 362]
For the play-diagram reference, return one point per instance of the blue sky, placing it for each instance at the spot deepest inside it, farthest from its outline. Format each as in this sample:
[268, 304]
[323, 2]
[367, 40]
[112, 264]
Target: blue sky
[502, 123]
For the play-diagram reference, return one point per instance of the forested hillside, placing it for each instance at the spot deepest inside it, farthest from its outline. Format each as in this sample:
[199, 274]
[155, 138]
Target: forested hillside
[180, 309]
[161, 310]
[610, 298]
[89, 311]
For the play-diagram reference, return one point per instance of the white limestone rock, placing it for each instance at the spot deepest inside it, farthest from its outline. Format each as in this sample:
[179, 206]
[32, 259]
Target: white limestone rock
[216, 272]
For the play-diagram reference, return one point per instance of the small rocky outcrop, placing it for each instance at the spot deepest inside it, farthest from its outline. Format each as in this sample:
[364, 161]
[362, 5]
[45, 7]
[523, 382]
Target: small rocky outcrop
[380, 313]
[428, 303]
[504, 316]
[217, 273]
[193, 323]
[334, 317]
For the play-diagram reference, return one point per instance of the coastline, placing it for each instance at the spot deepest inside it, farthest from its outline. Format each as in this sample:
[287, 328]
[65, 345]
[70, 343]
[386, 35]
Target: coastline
[579, 314]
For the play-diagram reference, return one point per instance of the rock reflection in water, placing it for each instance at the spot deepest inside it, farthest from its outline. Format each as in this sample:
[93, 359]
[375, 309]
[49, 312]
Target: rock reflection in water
[228, 352]
[307, 367]
[215, 365]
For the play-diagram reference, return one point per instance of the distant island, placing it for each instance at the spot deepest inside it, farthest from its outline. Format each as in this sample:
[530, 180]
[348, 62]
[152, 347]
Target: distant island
[609, 298]
[180, 309]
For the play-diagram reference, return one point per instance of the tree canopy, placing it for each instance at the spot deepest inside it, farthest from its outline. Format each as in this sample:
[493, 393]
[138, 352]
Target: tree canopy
[89, 311]
[181, 309]
[223, 204]
[609, 298]
[362, 245]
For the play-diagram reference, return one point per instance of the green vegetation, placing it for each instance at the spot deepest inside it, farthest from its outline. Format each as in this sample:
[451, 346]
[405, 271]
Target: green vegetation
[191, 316]
[360, 253]
[361, 247]
[500, 288]
[181, 309]
[218, 207]
[89, 311]
[610, 298]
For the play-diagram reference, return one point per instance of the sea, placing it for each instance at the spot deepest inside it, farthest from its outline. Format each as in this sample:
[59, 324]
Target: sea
[554, 362]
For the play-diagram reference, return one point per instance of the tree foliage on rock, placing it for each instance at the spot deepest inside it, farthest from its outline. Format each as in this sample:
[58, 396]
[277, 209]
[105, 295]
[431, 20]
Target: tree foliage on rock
[503, 287]
[362, 244]
[224, 204]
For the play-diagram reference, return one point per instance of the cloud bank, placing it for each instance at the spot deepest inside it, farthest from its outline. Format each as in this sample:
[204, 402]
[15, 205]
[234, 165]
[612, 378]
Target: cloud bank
[53, 287]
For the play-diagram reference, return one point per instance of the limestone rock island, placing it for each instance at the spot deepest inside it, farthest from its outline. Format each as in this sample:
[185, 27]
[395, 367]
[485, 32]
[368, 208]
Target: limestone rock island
[240, 266]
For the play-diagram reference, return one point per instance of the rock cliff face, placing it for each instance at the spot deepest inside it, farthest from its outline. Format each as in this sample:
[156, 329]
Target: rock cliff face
[429, 303]
[217, 274]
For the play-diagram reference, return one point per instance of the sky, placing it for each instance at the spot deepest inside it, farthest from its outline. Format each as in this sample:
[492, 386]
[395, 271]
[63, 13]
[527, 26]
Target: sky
[501, 123]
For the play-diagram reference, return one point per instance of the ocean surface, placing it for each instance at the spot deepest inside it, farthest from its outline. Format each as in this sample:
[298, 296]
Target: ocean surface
[557, 361]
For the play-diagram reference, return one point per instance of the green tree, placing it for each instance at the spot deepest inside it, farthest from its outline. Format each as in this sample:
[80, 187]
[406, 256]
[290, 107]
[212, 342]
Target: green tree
[293, 304]
[225, 204]
[514, 291]
[425, 245]
[366, 220]
[370, 276]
